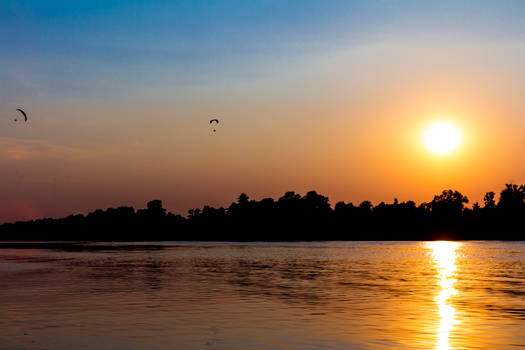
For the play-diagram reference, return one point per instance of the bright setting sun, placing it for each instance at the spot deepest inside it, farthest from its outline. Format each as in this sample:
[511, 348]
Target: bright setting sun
[442, 138]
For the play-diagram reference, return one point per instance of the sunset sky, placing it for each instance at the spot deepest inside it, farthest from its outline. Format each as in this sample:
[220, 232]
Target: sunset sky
[332, 96]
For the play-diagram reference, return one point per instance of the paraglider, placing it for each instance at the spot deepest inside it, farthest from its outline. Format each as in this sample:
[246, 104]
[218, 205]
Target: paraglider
[214, 121]
[23, 113]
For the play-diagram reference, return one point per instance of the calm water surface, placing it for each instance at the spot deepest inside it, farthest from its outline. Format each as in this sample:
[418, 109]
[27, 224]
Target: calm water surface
[331, 295]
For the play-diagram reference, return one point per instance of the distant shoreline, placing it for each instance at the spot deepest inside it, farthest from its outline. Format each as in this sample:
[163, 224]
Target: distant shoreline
[292, 218]
[79, 246]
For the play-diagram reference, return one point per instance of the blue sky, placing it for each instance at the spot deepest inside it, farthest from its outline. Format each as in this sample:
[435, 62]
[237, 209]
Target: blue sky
[67, 45]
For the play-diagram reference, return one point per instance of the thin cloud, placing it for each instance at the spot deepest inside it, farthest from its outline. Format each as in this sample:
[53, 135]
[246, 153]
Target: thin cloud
[13, 149]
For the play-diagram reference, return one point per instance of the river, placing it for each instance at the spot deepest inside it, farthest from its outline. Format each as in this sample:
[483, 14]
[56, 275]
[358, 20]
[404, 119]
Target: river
[329, 295]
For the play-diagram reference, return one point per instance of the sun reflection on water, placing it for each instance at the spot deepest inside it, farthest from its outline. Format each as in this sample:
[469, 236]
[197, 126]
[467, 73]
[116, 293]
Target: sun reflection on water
[444, 254]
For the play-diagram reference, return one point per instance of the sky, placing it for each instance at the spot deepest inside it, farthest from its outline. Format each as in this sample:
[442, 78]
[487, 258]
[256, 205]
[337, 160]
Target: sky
[331, 96]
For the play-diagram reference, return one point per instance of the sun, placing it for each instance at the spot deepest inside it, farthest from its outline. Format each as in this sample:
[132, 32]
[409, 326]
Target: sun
[442, 138]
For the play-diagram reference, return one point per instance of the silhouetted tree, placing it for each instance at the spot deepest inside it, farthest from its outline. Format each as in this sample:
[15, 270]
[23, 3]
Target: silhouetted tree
[512, 198]
[243, 199]
[489, 200]
[448, 202]
[155, 208]
[366, 205]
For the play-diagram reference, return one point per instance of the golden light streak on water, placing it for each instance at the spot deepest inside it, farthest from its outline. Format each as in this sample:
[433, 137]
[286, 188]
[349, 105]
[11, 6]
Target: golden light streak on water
[444, 254]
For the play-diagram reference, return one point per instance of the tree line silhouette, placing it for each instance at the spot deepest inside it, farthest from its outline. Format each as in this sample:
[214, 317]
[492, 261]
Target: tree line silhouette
[293, 218]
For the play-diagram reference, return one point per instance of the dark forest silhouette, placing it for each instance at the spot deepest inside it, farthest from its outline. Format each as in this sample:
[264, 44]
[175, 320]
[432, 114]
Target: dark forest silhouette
[292, 218]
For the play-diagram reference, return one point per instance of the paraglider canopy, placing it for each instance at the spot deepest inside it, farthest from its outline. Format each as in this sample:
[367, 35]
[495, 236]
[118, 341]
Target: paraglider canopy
[214, 121]
[23, 113]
